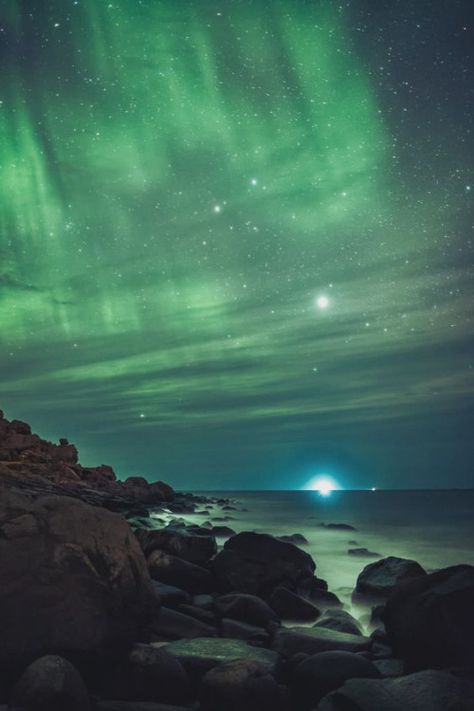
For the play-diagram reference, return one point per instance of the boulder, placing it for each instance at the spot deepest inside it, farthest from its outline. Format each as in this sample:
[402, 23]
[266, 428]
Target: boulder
[157, 675]
[296, 538]
[289, 641]
[169, 595]
[341, 621]
[430, 620]
[204, 615]
[380, 578]
[178, 572]
[74, 580]
[51, 682]
[246, 608]
[290, 606]
[239, 685]
[200, 655]
[242, 630]
[192, 543]
[222, 531]
[338, 526]
[424, 691]
[171, 624]
[319, 674]
[256, 563]
[363, 553]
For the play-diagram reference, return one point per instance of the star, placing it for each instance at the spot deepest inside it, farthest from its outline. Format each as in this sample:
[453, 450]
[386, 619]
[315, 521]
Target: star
[322, 302]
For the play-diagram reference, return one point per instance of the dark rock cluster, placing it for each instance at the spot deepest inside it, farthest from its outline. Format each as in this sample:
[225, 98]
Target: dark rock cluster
[103, 613]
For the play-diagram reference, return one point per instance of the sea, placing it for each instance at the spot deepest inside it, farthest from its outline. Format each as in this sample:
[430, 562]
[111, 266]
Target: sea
[435, 528]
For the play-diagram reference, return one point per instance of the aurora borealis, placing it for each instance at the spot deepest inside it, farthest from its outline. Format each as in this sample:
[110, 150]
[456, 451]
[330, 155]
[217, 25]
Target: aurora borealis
[183, 181]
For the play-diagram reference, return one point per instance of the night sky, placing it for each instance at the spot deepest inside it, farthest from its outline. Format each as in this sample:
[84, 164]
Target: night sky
[236, 237]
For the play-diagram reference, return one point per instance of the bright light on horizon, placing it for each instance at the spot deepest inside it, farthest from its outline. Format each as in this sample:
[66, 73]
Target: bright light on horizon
[323, 484]
[322, 302]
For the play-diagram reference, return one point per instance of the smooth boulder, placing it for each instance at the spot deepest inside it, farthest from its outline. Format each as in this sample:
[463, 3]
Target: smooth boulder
[171, 624]
[430, 621]
[319, 674]
[257, 563]
[341, 621]
[74, 580]
[51, 682]
[181, 573]
[424, 691]
[195, 544]
[241, 685]
[380, 578]
[157, 675]
[289, 641]
[290, 606]
[246, 608]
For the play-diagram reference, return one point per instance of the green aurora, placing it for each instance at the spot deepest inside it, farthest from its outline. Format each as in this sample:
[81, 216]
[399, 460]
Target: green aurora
[180, 183]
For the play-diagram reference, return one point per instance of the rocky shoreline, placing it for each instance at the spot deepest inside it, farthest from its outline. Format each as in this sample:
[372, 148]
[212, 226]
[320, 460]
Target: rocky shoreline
[111, 600]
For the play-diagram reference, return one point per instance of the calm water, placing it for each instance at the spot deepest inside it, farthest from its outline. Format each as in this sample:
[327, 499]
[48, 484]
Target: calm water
[436, 528]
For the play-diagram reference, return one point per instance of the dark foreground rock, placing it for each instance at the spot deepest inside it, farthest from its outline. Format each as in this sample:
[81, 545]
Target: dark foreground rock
[341, 621]
[194, 544]
[246, 608]
[51, 682]
[198, 656]
[424, 691]
[290, 606]
[257, 563]
[289, 641]
[430, 620]
[321, 673]
[74, 581]
[180, 573]
[158, 676]
[241, 685]
[378, 579]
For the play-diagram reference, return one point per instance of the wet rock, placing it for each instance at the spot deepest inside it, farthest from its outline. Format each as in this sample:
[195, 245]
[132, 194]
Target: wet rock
[380, 578]
[363, 553]
[74, 580]
[390, 668]
[338, 526]
[169, 595]
[181, 573]
[246, 608]
[158, 676]
[289, 641]
[239, 685]
[222, 531]
[290, 606]
[341, 621]
[51, 682]
[321, 673]
[206, 602]
[204, 615]
[241, 630]
[430, 620]
[171, 624]
[424, 691]
[192, 543]
[256, 563]
[198, 656]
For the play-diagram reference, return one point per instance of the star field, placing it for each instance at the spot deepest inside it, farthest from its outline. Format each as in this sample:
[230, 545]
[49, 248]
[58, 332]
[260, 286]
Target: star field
[236, 238]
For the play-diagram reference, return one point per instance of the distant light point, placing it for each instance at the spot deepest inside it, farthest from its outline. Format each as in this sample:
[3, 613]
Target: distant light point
[142, 415]
[254, 181]
[217, 209]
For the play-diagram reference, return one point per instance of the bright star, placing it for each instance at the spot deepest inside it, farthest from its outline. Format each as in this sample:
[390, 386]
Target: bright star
[217, 208]
[254, 181]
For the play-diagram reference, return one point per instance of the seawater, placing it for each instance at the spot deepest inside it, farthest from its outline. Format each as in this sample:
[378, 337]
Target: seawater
[436, 528]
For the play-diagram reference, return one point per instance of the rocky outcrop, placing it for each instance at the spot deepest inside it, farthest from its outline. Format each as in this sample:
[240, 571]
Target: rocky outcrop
[379, 579]
[74, 580]
[430, 620]
[51, 682]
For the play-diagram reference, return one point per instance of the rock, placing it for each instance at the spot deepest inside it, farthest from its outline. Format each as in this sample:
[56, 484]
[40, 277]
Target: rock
[222, 531]
[158, 676]
[206, 602]
[256, 563]
[241, 630]
[323, 599]
[74, 580]
[169, 595]
[363, 553]
[198, 656]
[239, 685]
[246, 608]
[430, 620]
[424, 691]
[51, 682]
[321, 673]
[380, 578]
[296, 538]
[192, 543]
[390, 668]
[171, 624]
[338, 526]
[289, 641]
[290, 606]
[341, 621]
[204, 615]
[181, 573]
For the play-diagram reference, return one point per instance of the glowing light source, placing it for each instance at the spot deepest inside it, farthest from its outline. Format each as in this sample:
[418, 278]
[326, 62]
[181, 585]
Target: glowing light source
[324, 485]
[322, 302]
